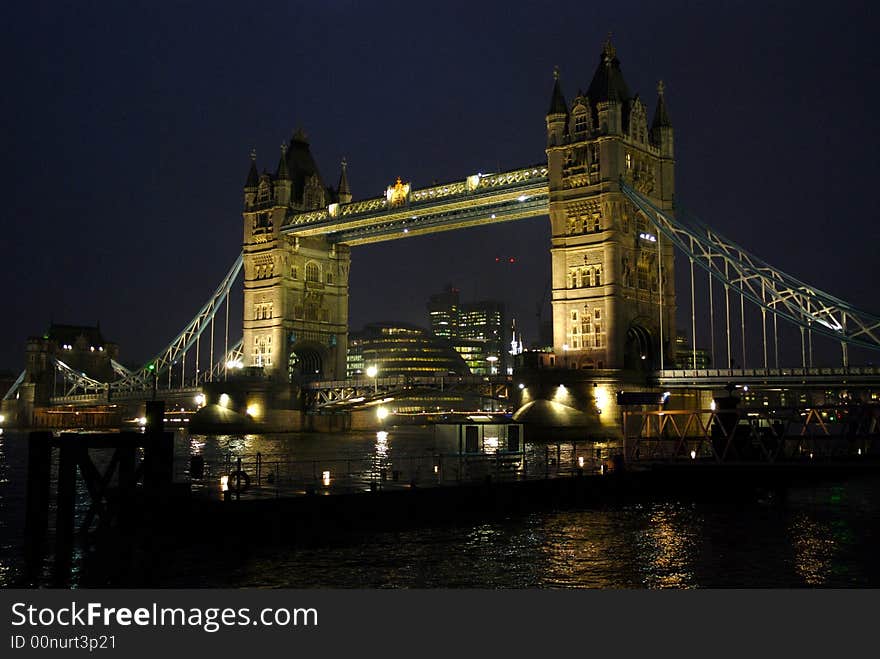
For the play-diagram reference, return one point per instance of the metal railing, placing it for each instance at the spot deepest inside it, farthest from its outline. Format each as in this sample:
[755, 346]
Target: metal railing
[260, 474]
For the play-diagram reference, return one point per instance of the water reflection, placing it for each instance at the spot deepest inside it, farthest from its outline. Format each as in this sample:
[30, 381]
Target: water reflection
[813, 536]
[380, 460]
[669, 544]
[813, 545]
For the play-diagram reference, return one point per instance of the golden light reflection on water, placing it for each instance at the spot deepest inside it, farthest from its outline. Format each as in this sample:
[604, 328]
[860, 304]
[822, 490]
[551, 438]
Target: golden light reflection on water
[814, 547]
[668, 547]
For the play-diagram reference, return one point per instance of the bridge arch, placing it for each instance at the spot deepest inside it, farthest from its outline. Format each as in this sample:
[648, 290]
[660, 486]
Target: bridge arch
[306, 361]
[639, 350]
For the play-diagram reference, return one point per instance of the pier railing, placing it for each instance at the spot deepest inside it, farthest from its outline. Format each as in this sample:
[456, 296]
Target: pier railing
[752, 435]
[276, 475]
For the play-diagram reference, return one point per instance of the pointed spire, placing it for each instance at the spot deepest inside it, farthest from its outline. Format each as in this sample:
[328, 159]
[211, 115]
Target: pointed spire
[342, 190]
[609, 51]
[661, 116]
[608, 83]
[282, 174]
[557, 101]
[253, 179]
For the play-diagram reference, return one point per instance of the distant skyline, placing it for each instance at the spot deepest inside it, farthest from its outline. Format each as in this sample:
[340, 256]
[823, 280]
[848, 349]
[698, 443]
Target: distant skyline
[128, 128]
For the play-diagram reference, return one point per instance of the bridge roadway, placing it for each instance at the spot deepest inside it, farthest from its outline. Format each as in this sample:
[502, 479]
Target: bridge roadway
[402, 213]
[815, 377]
[339, 393]
[184, 395]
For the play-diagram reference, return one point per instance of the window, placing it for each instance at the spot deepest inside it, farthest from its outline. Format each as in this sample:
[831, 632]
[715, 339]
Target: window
[262, 355]
[329, 277]
[312, 272]
[263, 194]
[580, 123]
[587, 277]
[263, 311]
[574, 316]
[642, 281]
[293, 272]
[629, 161]
[598, 280]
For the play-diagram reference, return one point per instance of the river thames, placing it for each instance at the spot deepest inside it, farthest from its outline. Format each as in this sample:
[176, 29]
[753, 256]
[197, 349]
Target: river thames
[823, 535]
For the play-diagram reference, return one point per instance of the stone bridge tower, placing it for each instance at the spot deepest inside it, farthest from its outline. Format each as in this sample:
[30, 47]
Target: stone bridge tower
[606, 267]
[295, 289]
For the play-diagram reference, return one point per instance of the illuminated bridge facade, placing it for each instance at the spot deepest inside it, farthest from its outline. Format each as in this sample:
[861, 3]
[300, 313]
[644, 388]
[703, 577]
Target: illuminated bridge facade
[607, 185]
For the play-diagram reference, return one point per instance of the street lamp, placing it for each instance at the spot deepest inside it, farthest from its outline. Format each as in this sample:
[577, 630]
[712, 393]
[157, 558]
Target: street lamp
[372, 371]
[565, 353]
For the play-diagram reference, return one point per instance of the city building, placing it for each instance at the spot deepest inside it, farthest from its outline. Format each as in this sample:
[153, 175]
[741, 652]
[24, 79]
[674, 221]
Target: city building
[401, 350]
[476, 330]
[443, 313]
[684, 354]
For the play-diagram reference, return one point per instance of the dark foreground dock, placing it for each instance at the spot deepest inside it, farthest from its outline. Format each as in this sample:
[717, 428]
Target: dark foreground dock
[137, 514]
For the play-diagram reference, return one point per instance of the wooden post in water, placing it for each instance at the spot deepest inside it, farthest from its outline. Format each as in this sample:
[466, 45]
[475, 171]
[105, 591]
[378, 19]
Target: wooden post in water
[65, 507]
[36, 519]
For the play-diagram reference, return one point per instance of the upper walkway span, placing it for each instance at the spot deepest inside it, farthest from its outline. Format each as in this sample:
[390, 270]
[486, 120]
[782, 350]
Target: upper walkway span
[402, 213]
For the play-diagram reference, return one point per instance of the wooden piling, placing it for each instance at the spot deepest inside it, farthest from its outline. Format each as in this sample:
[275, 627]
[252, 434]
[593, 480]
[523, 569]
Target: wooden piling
[37, 497]
[65, 507]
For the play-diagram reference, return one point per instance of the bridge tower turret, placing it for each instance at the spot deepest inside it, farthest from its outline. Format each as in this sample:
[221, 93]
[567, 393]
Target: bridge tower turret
[295, 288]
[607, 266]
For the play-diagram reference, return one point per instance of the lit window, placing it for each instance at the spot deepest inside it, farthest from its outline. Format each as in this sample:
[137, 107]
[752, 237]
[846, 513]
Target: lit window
[312, 272]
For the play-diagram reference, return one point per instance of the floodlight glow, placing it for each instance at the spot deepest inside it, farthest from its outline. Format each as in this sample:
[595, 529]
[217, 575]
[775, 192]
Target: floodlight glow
[381, 413]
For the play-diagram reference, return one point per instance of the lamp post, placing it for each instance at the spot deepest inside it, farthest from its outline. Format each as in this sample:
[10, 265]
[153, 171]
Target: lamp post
[565, 353]
[372, 371]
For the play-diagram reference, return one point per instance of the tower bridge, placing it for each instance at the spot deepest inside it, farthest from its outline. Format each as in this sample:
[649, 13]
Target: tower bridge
[608, 187]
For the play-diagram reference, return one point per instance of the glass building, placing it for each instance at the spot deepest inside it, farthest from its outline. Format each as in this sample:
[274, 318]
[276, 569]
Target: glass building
[402, 350]
[476, 330]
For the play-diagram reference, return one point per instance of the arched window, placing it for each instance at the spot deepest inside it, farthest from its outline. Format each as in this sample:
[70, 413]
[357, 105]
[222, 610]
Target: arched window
[312, 272]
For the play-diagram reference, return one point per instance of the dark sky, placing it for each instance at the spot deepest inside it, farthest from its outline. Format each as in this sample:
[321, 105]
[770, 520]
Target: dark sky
[127, 128]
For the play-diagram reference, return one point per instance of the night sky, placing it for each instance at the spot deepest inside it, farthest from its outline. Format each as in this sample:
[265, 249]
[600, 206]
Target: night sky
[127, 128]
